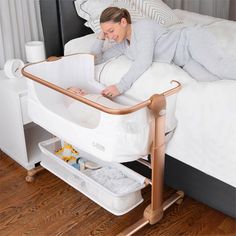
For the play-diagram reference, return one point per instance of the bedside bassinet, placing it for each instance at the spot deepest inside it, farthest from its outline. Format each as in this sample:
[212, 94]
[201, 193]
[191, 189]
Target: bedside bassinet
[112, 131]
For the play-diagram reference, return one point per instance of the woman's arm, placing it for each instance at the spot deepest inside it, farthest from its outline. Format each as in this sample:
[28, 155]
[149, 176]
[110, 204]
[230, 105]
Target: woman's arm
[139, 66]
[102, 56]
[142, 62]
[145, 40]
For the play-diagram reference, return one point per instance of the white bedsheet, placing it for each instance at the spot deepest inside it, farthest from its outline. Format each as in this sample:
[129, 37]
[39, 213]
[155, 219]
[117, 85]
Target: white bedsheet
[206, 132]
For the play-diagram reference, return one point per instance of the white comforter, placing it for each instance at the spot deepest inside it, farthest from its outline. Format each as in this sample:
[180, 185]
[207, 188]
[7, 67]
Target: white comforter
[206, 132]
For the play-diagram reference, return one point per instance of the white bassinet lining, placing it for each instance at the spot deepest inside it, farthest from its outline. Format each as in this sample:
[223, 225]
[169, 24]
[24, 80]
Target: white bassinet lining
[117, 138]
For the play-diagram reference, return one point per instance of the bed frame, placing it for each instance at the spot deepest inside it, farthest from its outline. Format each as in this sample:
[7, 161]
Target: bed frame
[60, 24]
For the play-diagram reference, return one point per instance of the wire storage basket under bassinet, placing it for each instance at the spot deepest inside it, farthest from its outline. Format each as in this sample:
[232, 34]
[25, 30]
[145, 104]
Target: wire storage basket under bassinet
[118, 191]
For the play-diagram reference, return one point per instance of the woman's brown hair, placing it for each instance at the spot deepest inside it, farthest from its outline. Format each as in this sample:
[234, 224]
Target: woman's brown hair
[115, 14]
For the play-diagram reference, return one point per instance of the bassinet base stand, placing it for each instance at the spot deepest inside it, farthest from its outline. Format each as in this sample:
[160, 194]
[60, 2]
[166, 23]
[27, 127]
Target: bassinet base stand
[154, 212]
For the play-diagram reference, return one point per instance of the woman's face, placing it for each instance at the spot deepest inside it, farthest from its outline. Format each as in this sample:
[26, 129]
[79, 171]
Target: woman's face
[115, 31]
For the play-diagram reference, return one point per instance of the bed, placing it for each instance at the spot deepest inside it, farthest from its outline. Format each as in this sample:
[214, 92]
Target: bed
[206, 174]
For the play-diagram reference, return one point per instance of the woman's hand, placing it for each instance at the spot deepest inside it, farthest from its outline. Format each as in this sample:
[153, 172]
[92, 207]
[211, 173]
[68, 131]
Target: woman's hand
[77, 91]
[101, 36]
[110, 91]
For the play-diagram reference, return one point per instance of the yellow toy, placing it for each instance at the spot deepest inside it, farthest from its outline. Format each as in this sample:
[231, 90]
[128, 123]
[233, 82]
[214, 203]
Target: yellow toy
[67, 153]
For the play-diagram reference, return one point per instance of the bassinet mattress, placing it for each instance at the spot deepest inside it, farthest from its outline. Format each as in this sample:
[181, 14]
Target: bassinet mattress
[205, 112]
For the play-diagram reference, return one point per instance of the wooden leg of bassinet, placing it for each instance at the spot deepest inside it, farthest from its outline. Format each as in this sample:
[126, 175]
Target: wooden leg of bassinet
[32, 172]
[154, 212]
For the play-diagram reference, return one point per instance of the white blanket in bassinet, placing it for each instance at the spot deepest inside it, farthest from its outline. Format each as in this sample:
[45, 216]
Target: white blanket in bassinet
[89, 117]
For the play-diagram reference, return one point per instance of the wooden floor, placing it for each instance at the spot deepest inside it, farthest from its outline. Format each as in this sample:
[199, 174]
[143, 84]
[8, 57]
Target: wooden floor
[49, 206]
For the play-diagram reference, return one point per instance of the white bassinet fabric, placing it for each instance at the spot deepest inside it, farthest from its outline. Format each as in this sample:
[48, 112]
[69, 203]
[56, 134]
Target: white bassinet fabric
[89, 117]
[115, 138]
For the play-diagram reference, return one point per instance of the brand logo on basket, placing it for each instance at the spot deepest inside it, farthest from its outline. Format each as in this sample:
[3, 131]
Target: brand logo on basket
[98, 146]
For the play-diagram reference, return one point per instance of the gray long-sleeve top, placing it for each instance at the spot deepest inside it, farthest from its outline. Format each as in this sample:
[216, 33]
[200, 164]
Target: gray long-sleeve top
[149, 42]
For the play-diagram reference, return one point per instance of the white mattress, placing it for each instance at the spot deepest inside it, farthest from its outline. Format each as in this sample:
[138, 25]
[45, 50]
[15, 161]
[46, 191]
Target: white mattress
[206, 129]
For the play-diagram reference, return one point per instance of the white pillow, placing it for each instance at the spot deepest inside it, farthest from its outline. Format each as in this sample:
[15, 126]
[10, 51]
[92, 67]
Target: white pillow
[193, 18]
[91, 9]
[83, 44]
[153, 9]
[157, 10]
[80, 45]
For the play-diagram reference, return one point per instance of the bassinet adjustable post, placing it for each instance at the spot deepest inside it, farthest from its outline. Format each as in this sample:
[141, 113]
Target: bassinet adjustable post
[154, 212]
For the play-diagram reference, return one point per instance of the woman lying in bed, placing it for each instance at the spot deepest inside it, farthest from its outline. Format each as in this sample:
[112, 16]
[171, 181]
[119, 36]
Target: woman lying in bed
[145, 41]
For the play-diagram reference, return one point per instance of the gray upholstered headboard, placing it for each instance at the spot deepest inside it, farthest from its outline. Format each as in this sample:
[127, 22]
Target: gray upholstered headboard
[60, 24]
